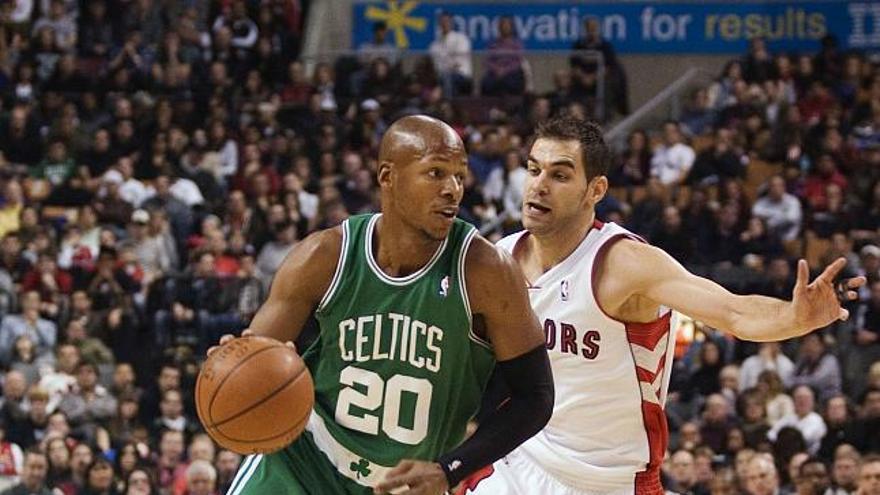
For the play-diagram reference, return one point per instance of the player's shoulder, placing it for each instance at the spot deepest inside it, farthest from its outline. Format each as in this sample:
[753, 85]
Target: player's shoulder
[487, 260]
[507, 243]
[318, 252]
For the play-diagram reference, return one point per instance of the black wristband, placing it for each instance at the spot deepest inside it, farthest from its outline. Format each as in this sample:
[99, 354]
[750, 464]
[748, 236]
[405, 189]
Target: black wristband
[513, 422]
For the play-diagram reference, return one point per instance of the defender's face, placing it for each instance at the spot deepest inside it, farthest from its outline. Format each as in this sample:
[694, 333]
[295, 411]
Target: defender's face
[556, 189]
[426, 192]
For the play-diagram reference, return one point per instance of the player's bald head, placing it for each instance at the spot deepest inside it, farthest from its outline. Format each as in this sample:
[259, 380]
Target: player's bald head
[413, 137]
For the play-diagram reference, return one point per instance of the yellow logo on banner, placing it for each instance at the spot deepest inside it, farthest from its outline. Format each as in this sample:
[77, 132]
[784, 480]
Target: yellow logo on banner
[397, 18]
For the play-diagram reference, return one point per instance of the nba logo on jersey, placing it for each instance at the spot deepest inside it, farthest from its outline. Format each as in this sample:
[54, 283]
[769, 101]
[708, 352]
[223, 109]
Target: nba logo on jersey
[444, 286]
[563, 290]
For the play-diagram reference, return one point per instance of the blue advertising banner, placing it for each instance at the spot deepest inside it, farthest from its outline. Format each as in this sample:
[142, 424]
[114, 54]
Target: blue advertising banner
[634, 27]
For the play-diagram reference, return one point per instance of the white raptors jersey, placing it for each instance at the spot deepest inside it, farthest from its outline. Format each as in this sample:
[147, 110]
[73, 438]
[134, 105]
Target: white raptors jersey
[608, 432]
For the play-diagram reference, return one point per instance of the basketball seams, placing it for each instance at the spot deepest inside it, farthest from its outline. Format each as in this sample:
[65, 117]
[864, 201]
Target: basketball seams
[229, 374]
[297, 426]
[261, 401]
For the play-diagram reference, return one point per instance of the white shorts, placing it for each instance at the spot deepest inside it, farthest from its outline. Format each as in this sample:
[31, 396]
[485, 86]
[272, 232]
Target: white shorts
[516, 474]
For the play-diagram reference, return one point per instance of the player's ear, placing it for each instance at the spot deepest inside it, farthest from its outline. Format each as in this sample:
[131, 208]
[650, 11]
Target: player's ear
[597, 188]
[383, 173]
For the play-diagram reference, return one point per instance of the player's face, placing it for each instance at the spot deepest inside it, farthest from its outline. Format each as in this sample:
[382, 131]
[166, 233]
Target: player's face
[426, 192]
[557, 193]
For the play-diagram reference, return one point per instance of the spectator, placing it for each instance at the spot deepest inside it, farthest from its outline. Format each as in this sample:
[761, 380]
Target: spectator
[671, 236]
[227, 465]
[201, 478]
[761, 477]
[11, 460]
[845, 474]
[88, 405]
[759, 66]
[41, 331]
[869, 476]
[716, 422]
[837, 419]
[718, 162]
[451, 54]
[813, 477]
[672, 160]
[781, 210]
[33, 476]
[805, 419]
[58, 455]
[170, 463]
[60, 380]
[634, 166]
[584, 68]
[13, 203]
[274, 252]
[99, 478]
[683, 474]
[817, 368]
[139, 482]
[504, 63]
[60, 23]
[379, 47]
[152, 251]
[779, 404]
[31, 430]
[769, 357]
[243, 30]
[171, 415]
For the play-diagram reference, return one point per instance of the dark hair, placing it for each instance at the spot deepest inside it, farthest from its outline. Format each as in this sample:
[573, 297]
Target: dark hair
[595, 154]
[810, 460]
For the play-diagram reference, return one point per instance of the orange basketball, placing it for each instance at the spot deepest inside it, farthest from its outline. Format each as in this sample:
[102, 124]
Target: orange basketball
[254, 395]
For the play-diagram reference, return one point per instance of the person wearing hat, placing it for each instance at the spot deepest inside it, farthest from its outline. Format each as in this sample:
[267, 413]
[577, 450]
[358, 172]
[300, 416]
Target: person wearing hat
[151, 251]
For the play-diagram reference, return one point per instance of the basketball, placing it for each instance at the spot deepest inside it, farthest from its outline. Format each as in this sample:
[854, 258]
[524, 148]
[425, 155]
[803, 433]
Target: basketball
[254, 395]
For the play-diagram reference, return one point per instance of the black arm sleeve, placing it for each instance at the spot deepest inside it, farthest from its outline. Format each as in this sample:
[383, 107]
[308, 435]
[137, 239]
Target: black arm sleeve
[514, 421]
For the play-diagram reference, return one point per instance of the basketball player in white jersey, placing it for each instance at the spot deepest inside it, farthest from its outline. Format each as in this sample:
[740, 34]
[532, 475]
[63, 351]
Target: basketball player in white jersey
[606, 300]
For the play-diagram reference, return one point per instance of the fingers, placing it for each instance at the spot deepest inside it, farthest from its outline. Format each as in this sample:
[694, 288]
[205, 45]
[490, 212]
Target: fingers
[227, 338]
[832, 270]
[843, 315]
[803, 275]
[401, 467]
[856, 282]
[395, 478]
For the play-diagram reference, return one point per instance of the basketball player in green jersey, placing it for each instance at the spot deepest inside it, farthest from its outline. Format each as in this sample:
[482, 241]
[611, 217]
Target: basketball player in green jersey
[414, 310]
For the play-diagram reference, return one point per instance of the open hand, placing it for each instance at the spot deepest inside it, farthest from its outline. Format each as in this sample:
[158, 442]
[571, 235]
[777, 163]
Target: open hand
[420, 478]
[818, 304]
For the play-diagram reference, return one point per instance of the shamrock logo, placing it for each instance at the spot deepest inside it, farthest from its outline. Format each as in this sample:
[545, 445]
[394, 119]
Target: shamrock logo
[361, 468]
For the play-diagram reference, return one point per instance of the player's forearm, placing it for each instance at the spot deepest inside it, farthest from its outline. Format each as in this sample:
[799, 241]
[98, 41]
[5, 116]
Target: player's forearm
[515, 421]
[762, 319]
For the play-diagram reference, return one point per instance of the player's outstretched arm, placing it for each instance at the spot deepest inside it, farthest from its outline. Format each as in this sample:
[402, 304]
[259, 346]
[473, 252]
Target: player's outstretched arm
[645, 271]
[497, 292]
[298, 286]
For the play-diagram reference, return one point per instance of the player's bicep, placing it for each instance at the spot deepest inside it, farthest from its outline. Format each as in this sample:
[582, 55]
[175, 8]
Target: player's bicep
[298, 286]
[497, 290]
[671, 285]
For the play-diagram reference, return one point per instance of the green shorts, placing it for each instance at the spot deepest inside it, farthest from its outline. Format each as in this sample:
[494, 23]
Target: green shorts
[298, 469]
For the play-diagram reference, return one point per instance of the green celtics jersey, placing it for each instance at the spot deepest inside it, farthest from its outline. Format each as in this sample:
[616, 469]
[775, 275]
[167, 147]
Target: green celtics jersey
[397, 368]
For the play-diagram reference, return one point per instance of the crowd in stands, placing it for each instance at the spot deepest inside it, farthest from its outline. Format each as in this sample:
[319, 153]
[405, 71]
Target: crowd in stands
[158, 160]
